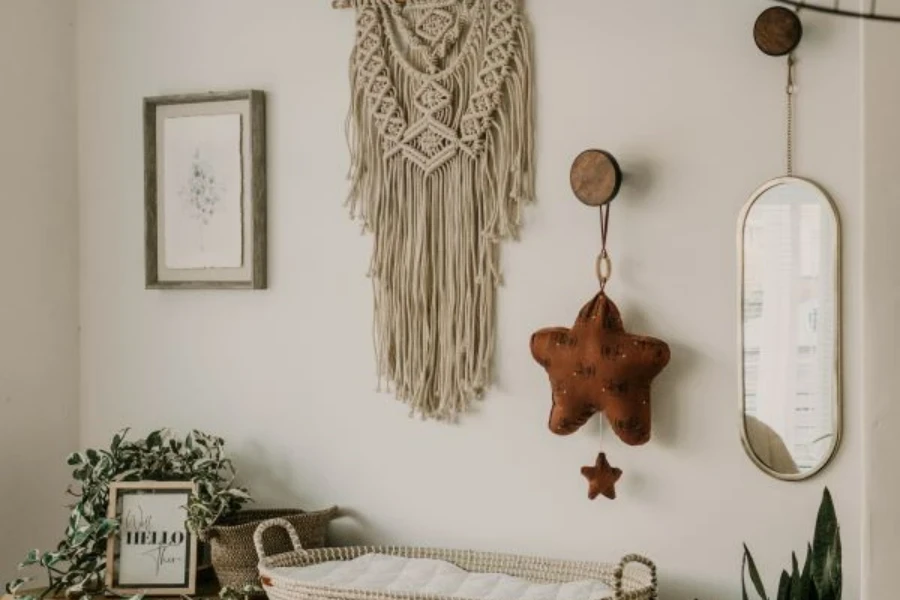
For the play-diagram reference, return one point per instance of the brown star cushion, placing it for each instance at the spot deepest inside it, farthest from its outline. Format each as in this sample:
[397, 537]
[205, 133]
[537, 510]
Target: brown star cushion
[602, 478]
[597, 366]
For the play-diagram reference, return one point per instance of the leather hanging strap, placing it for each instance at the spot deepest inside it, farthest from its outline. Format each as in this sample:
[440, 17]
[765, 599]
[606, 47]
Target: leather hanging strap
[604, 264]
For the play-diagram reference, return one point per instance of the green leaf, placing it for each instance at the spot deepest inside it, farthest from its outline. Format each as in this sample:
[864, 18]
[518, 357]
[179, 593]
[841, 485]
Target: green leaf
[155, 439]
[807, 589]
[784, 586]
[15, 585]
[107, 527]
[51, 559]
[743, 580]
[32, 558]
[826, 564]
[795, 578]
[117, 440]
[754, 574]
[836, 575]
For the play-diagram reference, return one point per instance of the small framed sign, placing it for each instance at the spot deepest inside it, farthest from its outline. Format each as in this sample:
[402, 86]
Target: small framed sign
[205, 191]
[153, 553]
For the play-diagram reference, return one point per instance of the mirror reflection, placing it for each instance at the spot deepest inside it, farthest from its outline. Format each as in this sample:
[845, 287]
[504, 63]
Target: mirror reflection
[790, 328]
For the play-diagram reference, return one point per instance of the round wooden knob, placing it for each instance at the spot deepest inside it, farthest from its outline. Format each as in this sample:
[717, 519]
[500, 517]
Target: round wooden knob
[596, 177]
[778, 31]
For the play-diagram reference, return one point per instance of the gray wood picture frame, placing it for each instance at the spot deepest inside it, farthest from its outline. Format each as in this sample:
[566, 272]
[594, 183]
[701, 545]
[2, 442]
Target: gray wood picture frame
[251, 105]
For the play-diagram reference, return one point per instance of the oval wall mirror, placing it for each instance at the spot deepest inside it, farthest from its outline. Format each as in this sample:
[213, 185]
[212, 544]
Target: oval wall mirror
[789, 240]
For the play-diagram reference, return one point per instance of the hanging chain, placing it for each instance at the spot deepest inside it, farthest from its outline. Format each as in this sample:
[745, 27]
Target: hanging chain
[791, 90]
[604, 264]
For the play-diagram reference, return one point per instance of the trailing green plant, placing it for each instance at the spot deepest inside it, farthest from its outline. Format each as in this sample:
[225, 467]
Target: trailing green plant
[78, 565]
[820, 578]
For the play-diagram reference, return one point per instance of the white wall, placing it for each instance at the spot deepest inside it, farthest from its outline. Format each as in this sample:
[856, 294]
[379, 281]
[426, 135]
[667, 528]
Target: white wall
[694, 112]
[39, 267]
[881, 310]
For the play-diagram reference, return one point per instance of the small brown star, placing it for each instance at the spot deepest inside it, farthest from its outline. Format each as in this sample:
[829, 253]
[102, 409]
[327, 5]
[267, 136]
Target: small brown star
[597, 366]
[602, 478]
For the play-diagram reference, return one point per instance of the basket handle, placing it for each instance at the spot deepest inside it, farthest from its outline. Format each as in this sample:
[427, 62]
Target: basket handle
[265, 526]
[620, 573]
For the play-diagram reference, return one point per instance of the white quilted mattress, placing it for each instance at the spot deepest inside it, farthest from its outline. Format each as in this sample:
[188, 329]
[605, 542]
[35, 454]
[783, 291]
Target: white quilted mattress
[379, 572]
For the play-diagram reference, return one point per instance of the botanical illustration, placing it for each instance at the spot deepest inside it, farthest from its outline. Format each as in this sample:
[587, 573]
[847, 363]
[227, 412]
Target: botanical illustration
[203, 192]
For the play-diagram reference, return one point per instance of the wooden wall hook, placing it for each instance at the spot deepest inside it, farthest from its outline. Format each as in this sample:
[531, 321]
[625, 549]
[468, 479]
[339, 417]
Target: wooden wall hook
[778, 31]
[596, 177]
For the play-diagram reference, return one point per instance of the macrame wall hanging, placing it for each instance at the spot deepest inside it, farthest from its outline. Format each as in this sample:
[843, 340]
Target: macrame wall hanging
[596, 366]
[440, 132]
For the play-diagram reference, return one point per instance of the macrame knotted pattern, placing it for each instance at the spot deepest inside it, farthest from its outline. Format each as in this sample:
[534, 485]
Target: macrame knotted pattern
[441, 137]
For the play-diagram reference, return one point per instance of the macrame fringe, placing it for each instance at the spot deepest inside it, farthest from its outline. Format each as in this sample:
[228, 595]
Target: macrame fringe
[435, 266]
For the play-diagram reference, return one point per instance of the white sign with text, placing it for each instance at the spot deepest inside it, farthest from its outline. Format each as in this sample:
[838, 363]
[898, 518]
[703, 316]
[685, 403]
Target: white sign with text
[153, 541]
[153, 549]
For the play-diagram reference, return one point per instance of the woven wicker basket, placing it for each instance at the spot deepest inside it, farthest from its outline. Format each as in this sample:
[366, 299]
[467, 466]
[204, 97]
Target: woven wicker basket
[633, 578]
[234, 557]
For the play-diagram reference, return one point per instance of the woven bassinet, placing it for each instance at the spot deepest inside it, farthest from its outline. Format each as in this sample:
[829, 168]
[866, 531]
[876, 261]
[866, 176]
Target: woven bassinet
[633, 578]
[231, 540]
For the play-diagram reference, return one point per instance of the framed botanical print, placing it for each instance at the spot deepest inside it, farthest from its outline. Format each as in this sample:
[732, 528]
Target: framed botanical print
[152, 553]
[205, 191]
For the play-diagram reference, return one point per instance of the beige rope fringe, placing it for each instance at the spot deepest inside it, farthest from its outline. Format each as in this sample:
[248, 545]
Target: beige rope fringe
[441, 137]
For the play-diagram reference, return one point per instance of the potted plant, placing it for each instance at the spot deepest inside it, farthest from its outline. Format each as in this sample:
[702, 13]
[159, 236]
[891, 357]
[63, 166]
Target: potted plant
[78, 565]
[820, 578]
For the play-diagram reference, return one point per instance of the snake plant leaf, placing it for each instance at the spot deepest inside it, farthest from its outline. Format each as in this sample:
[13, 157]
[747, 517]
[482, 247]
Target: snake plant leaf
[807, 588]
[837, 577]
[795, 578]
[784, 586]
[826, 567]
[754, 575]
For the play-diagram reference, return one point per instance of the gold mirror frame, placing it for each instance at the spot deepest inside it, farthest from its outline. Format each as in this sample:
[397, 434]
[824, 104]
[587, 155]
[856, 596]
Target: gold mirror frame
[837, 408]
